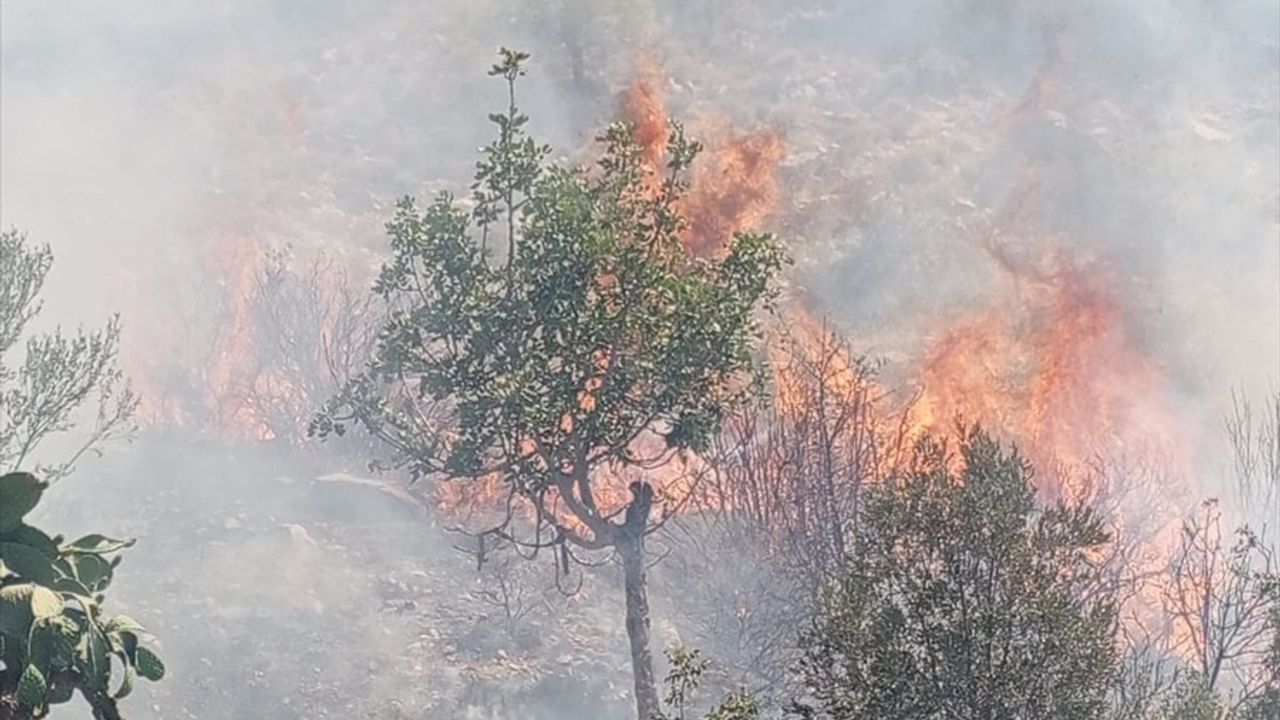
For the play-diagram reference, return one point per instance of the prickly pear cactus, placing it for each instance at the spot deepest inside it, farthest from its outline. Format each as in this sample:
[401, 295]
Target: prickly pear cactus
[54, 638]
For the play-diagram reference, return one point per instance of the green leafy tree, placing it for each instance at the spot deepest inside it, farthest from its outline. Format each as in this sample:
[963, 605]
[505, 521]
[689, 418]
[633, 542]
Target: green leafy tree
[682, 682]
[964, 599]
[556, 331]
[57, 375]
[55, 639]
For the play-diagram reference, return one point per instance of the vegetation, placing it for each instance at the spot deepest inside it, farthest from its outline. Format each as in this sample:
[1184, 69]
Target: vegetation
[554, 335]
[964, 599]
[54, 637]
[549, 339]
[556, 331]
[687, 669]
[58, 375]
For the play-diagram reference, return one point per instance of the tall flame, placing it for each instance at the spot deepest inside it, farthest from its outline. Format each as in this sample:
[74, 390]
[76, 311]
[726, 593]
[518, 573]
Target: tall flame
[735, 185]
[1057, 371]
[280, 339]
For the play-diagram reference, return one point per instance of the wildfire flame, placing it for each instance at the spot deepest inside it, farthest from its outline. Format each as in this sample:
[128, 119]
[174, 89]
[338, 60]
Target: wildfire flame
[1058, 372]
[644, 107]
[1054, 364]
[1053, 367]
[195, 390]
[269, 356]
[735, 185]
[734, 190]
[238, 262]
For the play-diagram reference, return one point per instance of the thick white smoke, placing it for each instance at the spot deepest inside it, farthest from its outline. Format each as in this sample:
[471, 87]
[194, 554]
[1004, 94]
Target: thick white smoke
[138, 138]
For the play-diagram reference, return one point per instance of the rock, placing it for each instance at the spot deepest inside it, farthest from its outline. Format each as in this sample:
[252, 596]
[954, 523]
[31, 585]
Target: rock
[346, 497]
[300, 538]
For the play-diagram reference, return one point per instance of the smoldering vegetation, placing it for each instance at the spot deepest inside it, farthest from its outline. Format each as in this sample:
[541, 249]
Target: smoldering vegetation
[962, 184]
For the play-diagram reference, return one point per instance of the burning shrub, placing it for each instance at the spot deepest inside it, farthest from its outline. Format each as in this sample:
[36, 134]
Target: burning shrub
[778, 509]
[1062, 375]
[790, 471]
[54, 639]
[286, 336]
[308, 331]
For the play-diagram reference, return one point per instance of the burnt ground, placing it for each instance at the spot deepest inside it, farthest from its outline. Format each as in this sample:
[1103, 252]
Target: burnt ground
[274, 595]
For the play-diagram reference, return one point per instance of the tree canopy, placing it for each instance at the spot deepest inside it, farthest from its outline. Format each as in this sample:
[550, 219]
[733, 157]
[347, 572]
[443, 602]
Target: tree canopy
[964, 599]
[554, 328]
[550, 357]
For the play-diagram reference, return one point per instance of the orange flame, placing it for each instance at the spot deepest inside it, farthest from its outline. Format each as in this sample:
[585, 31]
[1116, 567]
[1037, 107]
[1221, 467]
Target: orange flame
[1061, 375]
[259, 367]
[733, 191]
[644, 107]
[735, 186]
[238, 262]
[194, 390]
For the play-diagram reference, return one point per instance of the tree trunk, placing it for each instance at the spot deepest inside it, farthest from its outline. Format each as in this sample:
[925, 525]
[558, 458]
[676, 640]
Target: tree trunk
[632, 552]
[630, 546]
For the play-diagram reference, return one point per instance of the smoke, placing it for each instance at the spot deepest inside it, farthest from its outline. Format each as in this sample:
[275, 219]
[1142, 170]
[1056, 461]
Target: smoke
[1137, 138]
[140, 139]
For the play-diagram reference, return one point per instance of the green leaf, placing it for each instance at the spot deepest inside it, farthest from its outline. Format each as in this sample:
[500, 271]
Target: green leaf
[53, 643]
[93, 659]
[149, 665]
[34, 538]
[20, 492]
[124, 623]
[28, 562]
[92, 571]
[125, 644]
[32, 688]
[71, 586]
[100, 544]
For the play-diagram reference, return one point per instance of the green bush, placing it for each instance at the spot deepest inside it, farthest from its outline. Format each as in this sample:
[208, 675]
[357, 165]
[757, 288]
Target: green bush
[687, 669]
[54, 637]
